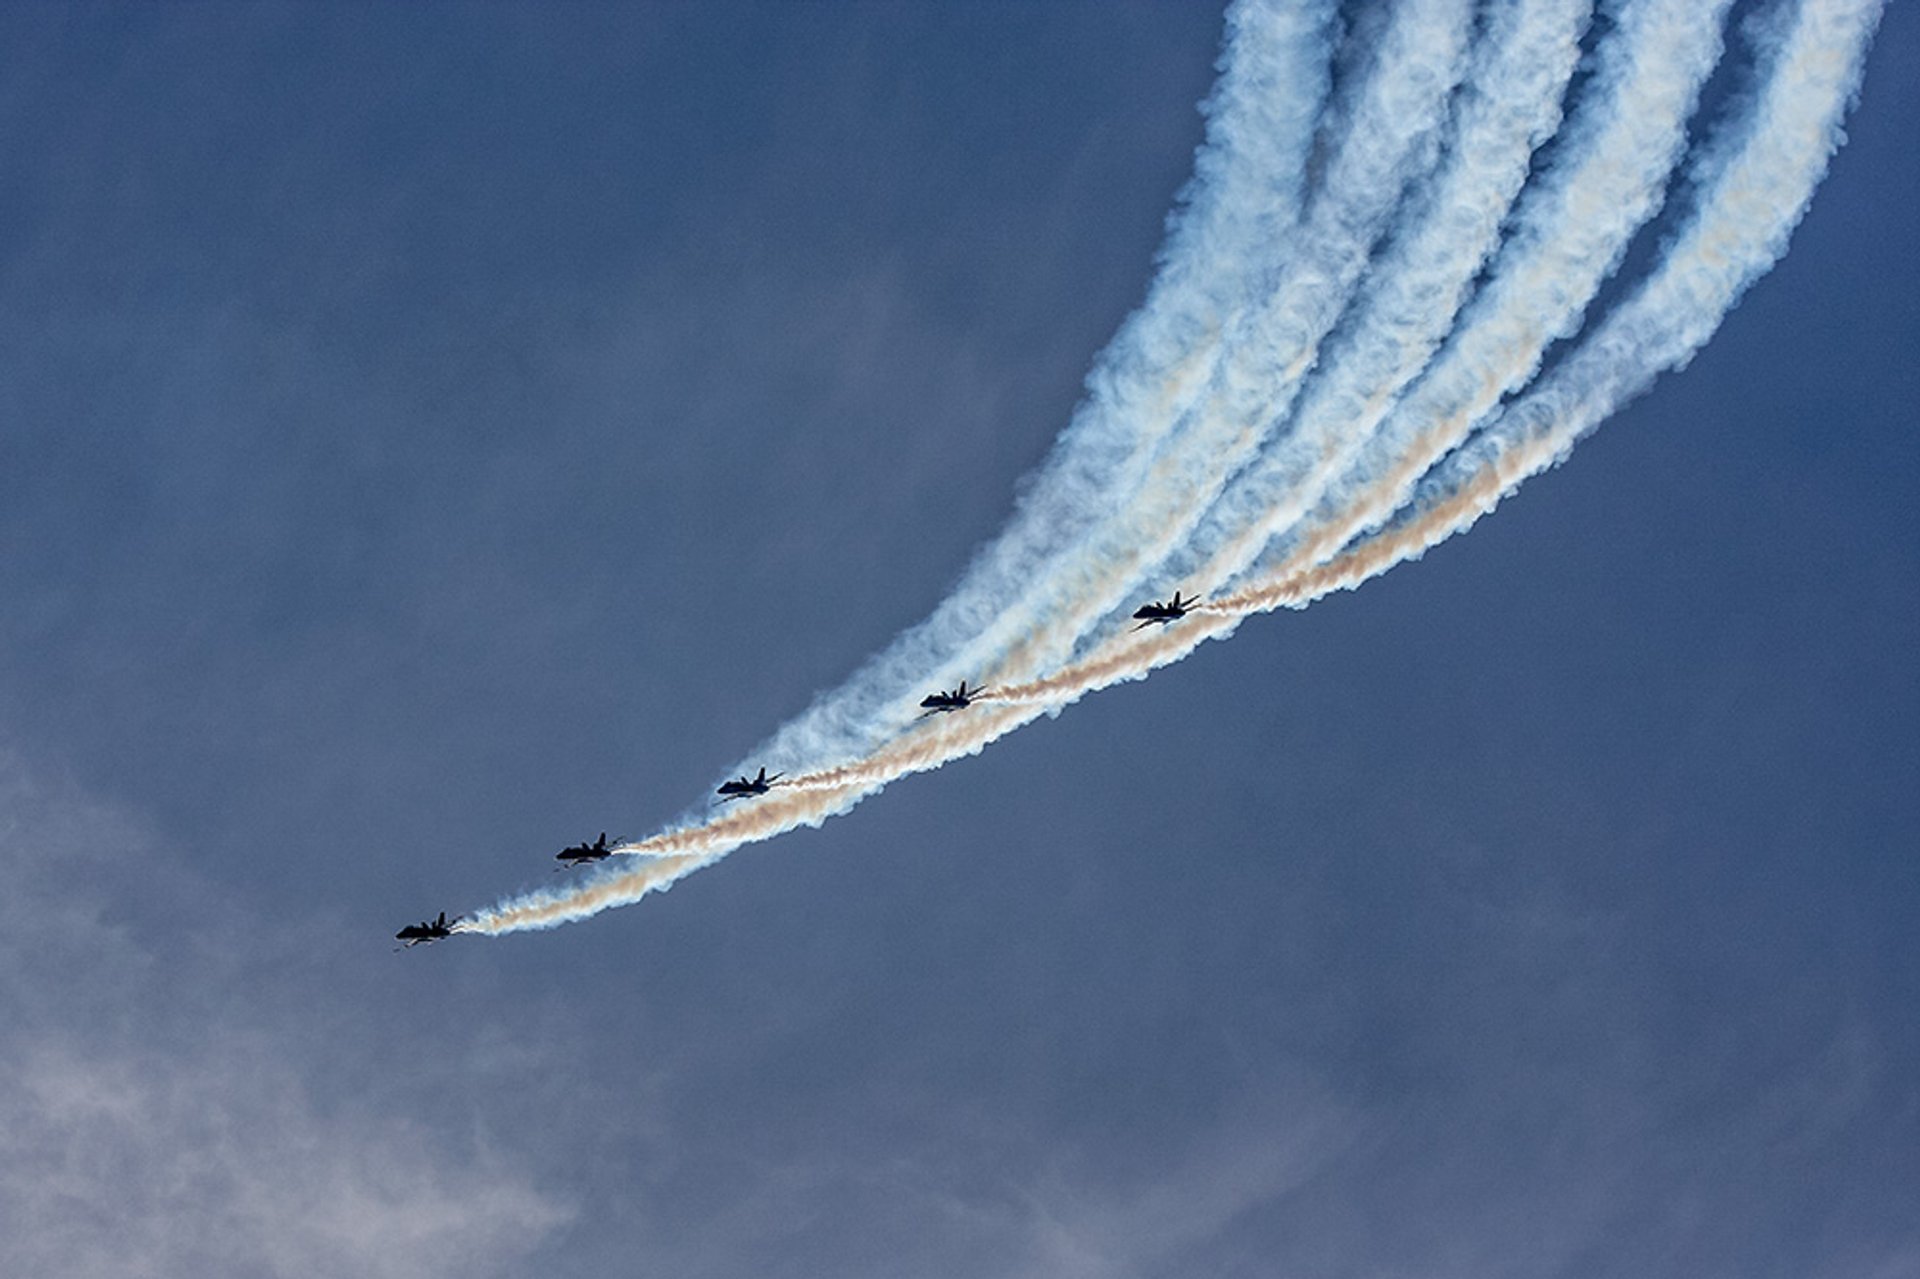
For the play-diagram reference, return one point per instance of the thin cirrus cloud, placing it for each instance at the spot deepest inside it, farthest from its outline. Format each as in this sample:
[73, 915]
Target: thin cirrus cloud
[150, 1124]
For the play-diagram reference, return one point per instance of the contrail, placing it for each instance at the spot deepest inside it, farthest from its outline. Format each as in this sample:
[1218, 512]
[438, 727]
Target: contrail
[1755, 185]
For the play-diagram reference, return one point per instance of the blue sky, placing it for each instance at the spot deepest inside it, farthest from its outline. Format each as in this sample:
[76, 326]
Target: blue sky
[432, 436]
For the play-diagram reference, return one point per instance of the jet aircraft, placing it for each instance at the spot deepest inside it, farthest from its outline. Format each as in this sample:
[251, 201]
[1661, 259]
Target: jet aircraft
[934, 703]
[1159, 613]
[579, 854]
[742, 787]
[428, 930]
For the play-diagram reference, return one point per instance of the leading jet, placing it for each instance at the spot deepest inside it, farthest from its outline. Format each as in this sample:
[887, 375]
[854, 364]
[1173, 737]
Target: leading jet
[959, 698]
[580, 854]
[1159, 614]
[742, 787]
[428, 930]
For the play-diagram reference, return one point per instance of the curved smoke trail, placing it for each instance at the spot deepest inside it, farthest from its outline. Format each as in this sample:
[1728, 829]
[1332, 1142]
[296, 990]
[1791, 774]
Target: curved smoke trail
[1754, 185]
[1389, 142]
[1513, 104]
[1571, 234]
[1231, 231]
[1756, 191]
[1221, 401]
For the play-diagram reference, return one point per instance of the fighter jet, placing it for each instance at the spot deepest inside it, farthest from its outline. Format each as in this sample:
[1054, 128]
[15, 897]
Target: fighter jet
[935, 703]
[742, 787]
[428, 930]
[579, 854]
[1159, 614]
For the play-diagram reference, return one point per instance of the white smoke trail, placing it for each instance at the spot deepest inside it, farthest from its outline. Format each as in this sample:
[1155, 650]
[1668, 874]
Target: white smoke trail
[1511, 105]
[1571, 232]
[1237, 218]
[832, 790]
[1574, 228]
[1757, 190]
[1756, 186]
[1389, 141]
[1385, 141]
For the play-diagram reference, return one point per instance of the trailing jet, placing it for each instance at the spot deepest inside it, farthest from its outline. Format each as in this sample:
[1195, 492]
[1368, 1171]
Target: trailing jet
[580, 854]
[742, 787]
[429, 930]
[1159, 614]
[934, 703]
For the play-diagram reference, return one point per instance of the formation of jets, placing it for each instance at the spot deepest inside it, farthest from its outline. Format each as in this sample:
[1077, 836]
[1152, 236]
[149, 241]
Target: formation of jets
[743, 787]
[1157, 613]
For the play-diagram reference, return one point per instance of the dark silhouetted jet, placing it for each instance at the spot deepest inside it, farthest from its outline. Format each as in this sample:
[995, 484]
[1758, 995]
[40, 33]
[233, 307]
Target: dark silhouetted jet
[429, 930]
[579, 854]
[934, 703]
[1159, 614]
[742, 787]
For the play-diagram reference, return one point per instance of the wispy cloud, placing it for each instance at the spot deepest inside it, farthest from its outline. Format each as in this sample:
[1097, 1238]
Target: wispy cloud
[158, 1117]
[117, 1160]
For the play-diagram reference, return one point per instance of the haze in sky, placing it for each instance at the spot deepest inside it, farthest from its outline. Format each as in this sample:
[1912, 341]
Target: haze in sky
[429, 437]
